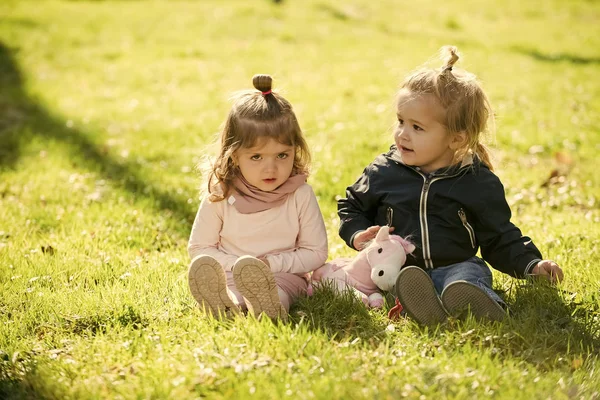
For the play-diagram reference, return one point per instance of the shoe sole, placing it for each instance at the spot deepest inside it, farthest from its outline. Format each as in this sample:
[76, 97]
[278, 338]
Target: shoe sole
[460, 296]
[418, 297]
[256, 283]
[208, 285]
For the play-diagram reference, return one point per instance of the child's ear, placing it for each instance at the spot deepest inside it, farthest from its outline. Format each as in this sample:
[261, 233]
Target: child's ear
[458, 140]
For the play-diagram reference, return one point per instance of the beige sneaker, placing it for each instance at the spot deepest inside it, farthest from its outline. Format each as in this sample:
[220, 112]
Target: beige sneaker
[208, 285]
[461, 296]
[256, 283]
[417, 294]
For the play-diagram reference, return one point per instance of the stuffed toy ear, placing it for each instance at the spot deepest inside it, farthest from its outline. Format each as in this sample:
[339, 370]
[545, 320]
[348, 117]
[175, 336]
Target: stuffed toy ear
[383, 234]
[408, 246]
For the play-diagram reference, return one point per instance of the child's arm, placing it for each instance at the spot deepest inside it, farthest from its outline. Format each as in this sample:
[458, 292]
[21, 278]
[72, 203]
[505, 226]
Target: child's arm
[311, 245]
[357, 211]
[204, 238]
[502, 243]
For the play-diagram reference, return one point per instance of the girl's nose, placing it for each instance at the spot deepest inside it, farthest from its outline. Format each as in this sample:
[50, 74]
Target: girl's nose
[400, 133]
[270, 165]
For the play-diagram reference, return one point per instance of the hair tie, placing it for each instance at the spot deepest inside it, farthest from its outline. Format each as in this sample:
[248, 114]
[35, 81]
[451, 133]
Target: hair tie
[266, 93]
[449, 68]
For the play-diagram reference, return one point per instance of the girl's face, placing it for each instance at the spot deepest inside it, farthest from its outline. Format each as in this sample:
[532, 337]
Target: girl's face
[421, 138]
[267, 165]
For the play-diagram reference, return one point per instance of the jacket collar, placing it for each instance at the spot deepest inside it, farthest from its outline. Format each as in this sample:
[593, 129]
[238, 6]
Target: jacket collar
[469, 161]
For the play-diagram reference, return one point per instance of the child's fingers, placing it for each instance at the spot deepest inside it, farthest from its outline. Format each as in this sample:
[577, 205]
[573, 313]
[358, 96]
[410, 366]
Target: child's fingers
[549, 270]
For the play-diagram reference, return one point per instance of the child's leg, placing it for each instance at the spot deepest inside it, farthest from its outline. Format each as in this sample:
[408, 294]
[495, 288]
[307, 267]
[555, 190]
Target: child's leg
[418, 296]
[255, 282]
[208, 285]
[289, 287]
[474, 271]
[468, 285]
[235, 294]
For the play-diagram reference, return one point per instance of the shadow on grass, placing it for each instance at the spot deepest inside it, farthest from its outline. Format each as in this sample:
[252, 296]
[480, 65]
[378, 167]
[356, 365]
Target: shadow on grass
[22, 119]
[546, 328]
[20, 380]
[558, 57]
[339, 315]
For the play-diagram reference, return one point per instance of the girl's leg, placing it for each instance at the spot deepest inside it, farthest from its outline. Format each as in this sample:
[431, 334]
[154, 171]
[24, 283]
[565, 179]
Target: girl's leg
[256, 284]
[208, 285]
[468, 286]
[417, 294]
[235, 294]
[474, 271]
[289, 287]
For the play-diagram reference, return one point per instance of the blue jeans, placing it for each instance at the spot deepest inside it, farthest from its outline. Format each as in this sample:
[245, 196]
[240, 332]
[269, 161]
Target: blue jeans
[473, 270]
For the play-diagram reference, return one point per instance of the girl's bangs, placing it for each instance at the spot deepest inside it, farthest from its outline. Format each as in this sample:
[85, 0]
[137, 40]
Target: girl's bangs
[283, 130]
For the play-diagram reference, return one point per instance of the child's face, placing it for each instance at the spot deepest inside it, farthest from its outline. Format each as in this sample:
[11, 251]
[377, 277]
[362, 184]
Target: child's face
[267, 165]
[422, 139]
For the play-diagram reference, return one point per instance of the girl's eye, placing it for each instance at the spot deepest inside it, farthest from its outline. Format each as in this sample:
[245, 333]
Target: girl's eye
[417, 128]
[255, 157]
[400, 121]
[282, 156]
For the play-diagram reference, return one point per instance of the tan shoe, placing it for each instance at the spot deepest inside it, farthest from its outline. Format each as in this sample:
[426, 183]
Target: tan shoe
[463, 296]
[208, 285]
[256, 283]
[417, 294]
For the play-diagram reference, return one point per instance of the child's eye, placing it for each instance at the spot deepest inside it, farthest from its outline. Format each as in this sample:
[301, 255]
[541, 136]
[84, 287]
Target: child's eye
[282, 156]
[400, 121]
[417, 128]
[255, 157]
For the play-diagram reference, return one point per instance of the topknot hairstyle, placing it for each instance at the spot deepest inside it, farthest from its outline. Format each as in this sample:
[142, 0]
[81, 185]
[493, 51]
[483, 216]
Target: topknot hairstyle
[255, 116]
[467, 108]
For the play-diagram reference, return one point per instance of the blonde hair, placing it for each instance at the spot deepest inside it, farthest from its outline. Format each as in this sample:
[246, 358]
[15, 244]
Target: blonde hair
[255, 115]
[467, 107]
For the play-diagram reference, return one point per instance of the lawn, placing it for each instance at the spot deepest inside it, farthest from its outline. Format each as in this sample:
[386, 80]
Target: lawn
[107, 107]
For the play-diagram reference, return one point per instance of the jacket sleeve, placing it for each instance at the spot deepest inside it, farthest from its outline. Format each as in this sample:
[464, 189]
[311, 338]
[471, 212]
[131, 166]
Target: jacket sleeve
[206, 233]
[358, 209]
[502, 243]
[311, 244]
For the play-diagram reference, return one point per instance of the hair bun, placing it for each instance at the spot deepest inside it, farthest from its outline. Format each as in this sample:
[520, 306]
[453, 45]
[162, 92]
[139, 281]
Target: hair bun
[450, 56]
[262, 82]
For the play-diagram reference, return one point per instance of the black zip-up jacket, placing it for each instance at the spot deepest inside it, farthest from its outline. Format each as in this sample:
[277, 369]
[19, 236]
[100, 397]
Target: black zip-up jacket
[448, 214]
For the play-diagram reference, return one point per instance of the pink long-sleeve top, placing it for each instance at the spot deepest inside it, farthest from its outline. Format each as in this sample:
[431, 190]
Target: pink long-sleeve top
[292, 236]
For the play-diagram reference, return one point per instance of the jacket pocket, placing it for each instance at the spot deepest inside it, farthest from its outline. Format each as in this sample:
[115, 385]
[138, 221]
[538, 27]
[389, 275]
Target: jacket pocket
[468, 227]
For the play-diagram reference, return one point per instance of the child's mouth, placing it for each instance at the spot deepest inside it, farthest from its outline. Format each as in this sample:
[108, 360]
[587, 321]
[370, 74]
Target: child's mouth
[402, 148]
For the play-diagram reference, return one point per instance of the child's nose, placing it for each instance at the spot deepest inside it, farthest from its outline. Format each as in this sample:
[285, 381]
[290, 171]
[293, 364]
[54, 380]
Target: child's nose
[270, 165]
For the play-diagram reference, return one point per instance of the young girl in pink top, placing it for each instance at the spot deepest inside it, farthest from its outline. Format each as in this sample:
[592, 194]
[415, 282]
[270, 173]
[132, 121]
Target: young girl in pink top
[259, 231]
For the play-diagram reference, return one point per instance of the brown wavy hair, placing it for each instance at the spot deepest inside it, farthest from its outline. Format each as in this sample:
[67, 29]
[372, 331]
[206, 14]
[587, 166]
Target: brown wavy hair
[255, 115]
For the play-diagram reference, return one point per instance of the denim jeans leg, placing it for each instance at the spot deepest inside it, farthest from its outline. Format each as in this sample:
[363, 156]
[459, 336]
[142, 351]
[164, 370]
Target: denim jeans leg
[473, 270]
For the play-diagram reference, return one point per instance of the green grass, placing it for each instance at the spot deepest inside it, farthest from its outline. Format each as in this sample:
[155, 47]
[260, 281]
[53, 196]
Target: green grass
[107, 106]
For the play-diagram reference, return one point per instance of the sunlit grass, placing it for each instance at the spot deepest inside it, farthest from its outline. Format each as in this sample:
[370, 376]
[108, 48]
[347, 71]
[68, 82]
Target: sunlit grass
[105, 110]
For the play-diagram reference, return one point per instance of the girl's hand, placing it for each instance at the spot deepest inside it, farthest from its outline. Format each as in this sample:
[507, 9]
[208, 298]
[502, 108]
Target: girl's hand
[361, 239]
[549, 270]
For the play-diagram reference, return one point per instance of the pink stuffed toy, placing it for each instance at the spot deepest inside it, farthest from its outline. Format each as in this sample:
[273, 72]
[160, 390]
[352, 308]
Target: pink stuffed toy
[375, 267]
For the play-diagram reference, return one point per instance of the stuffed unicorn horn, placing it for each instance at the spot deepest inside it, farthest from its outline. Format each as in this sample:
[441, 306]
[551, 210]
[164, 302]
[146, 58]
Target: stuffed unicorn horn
[374, 268]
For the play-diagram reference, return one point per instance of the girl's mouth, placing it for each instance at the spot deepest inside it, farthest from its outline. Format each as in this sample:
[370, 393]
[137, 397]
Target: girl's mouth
[404, 149]
[270, 180]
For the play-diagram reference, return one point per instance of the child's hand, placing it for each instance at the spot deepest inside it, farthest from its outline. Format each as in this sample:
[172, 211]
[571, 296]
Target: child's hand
[361, 239]
[548, 269]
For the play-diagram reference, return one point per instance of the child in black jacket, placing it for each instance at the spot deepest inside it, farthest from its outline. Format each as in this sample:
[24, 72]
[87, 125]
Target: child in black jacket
[436, 185]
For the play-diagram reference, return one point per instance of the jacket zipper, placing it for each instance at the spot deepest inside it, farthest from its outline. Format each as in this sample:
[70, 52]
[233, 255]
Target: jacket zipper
[468, 227]
[390, 216]
[423, 215]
